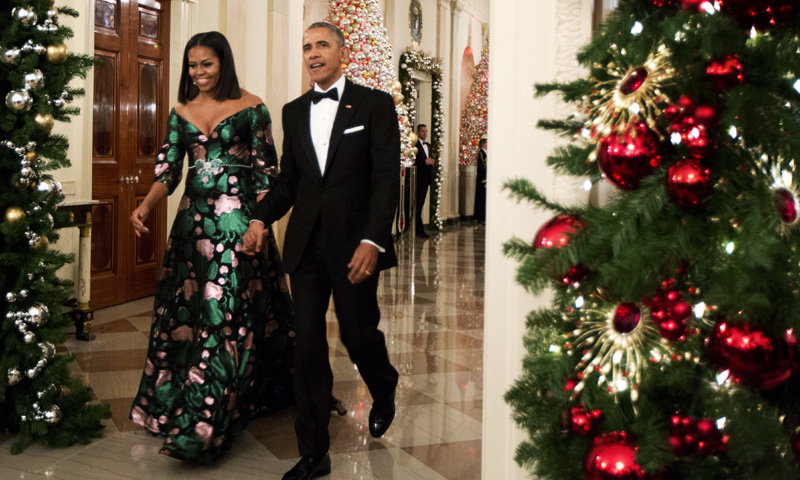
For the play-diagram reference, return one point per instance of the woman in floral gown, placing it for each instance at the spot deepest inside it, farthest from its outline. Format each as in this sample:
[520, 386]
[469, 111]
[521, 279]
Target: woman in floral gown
[221, 342]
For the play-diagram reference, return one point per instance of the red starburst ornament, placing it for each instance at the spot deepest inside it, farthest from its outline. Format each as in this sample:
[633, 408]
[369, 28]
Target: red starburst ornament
[761, 14]
[787, 206]
[626, 158]
[581, 421]
[689, 435]
[754, 357]
[612, 456]
[689, 183]
[556, 234]
[726, 72]
[669, 311]
[626, 317]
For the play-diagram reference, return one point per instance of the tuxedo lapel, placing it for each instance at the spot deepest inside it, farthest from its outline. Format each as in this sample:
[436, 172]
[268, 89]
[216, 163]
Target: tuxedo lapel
[347, 106]
[304, 132]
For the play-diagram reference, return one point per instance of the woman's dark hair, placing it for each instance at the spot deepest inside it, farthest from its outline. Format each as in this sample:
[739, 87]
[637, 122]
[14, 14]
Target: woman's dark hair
[228, 85]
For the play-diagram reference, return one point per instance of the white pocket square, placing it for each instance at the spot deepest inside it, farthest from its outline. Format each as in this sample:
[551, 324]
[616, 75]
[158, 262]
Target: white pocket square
[354, 129]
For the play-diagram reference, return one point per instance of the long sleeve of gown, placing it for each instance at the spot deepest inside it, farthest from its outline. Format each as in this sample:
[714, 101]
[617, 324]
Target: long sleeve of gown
[262, 149]
[169, 162]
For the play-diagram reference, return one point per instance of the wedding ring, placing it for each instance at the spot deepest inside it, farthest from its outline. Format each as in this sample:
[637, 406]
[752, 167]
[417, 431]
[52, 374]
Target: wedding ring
[368, 272]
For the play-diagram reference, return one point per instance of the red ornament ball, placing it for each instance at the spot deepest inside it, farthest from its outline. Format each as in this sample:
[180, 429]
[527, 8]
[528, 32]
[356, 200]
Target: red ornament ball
[693, 123]
[669, 312]
[612, 456]
[556, 234]
[628, 157]
[581, 421]
[787, 205]
[688, 435]
[665, 3]
[626, 317]
[689, 183]
[725, 72]
[762, 14]
[754, 357]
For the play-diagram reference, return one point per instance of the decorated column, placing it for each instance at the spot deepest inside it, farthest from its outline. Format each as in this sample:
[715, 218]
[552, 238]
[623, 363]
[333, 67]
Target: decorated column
[39, 399]
[370, 64]
[476, 111]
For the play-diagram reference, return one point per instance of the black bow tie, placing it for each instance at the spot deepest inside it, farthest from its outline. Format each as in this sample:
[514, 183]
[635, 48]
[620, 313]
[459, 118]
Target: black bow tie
[333, 94]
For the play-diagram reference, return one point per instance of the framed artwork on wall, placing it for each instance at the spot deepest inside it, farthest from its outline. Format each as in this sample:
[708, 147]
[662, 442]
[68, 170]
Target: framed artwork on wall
[415, 22]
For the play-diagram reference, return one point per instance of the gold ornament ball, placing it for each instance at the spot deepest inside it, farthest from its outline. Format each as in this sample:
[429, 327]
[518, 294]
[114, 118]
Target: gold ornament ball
[397, 86]
[398, 98]
[412, 137]
[14, 214]
[42, 243]
[32, 157]
[45, 122]
[57, 53]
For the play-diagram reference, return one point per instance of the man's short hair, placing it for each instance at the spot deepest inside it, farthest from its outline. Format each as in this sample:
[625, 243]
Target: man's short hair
[482, 142]
[337, 34]
[421, 125]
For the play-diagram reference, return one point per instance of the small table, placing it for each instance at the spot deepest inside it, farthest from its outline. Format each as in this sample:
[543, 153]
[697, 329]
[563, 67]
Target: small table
[80, 215]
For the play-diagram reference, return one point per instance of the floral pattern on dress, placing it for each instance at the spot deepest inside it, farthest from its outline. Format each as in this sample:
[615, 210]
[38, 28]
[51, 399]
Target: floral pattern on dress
[221, 341]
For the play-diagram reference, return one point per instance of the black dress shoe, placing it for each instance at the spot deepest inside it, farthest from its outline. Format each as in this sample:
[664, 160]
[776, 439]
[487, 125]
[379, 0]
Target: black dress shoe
[380, 419]
[309, 467]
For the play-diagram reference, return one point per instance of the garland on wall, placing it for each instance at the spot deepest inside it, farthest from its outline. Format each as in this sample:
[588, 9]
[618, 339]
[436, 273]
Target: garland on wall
[416, 60]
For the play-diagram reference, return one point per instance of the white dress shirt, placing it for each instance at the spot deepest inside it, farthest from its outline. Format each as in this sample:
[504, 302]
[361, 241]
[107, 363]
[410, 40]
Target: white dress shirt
[425, 149]
[321, 122]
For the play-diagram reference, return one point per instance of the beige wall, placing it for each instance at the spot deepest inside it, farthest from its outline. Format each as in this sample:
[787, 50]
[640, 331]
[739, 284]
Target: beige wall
[77, 179]
[532, 41]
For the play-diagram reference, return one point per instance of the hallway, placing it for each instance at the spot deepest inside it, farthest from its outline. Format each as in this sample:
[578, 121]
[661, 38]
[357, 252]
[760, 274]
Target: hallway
[432, 315]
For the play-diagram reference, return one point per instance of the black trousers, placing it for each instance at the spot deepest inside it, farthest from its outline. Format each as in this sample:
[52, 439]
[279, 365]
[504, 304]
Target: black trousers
[423, 181]
[358, 314]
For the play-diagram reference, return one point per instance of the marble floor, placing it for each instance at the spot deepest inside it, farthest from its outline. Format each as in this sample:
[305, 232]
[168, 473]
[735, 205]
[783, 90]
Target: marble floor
[432, 307]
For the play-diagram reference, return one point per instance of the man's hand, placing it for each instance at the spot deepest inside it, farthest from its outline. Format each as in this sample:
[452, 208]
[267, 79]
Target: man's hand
[254, 238]
[363, 263]
[430, 161]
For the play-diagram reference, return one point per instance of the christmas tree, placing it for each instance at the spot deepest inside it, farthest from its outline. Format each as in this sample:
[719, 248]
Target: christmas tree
[669, 349]
[370, 64]
[475, 118]
[39, 399]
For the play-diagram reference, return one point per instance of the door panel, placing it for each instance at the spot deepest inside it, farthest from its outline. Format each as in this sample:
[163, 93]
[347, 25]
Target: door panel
[130, 96]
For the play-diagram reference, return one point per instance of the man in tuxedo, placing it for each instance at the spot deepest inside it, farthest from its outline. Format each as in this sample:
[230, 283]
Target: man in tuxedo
[340, 170]
[424, 163]
[480, 183]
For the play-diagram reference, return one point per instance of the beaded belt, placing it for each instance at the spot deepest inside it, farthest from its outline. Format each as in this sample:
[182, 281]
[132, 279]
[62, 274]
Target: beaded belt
[215, 165]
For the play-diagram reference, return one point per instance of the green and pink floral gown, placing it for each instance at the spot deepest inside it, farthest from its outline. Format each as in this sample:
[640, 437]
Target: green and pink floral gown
[221, 343]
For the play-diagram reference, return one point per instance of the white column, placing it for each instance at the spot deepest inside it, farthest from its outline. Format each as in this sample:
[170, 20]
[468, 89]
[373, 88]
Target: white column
[449, 205]
[525, 39]
[453, 113]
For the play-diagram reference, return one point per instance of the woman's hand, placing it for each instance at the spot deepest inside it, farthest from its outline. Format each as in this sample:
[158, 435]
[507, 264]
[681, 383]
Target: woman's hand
[138, 217]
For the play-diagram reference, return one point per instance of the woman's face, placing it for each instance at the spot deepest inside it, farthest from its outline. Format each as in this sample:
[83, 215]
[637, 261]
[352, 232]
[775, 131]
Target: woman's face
[204, 68]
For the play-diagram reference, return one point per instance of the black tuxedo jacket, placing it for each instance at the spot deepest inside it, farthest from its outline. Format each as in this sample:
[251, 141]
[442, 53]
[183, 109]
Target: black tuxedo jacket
[423, 169]
[357, 195]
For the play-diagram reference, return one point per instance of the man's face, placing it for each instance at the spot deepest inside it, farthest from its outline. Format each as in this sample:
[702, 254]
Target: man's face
[422, 133]
[323, 57]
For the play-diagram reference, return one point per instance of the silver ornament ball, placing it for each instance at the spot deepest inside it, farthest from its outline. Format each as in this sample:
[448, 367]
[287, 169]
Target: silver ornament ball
[14, 376]
[18, 100]
[29, 337]
[9, 56]
[34, 79]
[38, 313]
[24, 15]
[52, 415]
